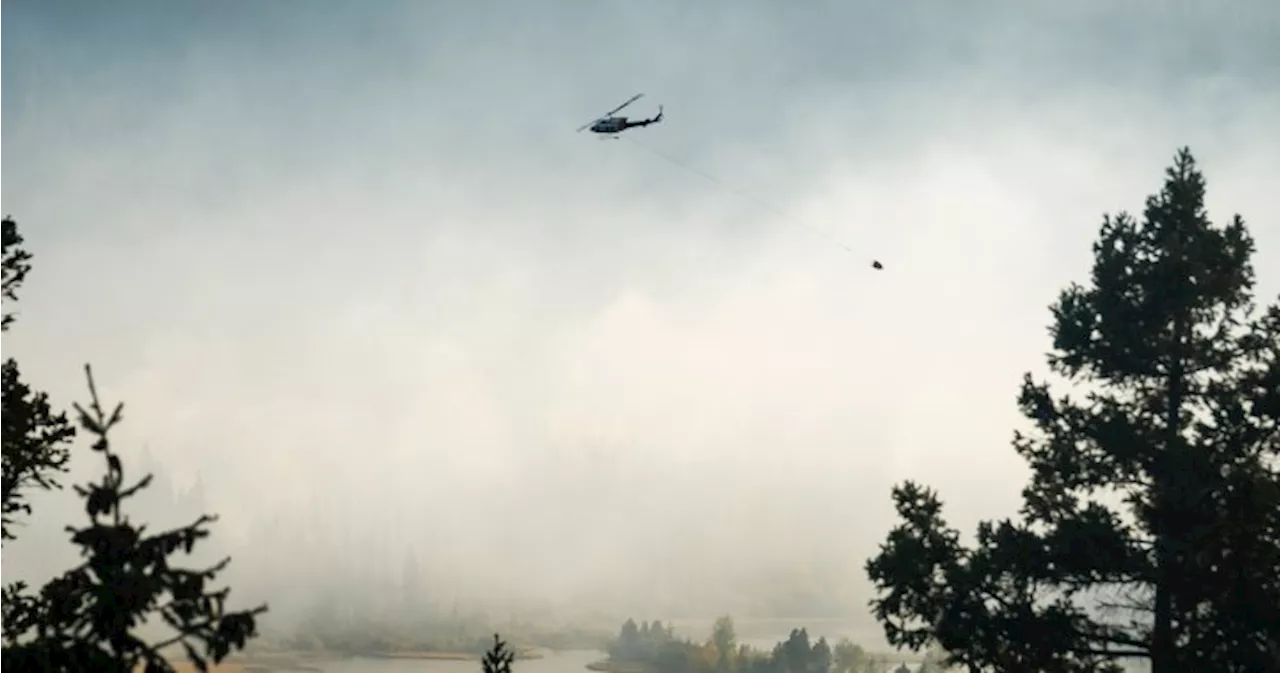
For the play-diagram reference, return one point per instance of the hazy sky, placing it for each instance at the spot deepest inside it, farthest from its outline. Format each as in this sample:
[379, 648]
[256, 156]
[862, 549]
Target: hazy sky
[351, 262]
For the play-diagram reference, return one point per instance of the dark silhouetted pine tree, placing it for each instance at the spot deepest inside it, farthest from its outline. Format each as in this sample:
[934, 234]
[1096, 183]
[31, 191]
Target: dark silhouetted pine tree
[1175, 416]
[498, 659]
[88, 619]
[36, 441]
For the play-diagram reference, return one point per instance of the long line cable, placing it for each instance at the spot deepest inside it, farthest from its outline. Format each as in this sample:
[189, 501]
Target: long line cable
[747, 195]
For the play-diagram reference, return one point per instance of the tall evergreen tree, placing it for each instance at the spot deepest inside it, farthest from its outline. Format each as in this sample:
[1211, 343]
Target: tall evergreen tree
[36, 439]
[725, 639]
[1151, 526]
[89, 618]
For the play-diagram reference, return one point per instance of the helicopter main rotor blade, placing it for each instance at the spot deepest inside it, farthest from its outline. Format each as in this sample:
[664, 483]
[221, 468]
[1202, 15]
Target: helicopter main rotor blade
[629, 101]
[588, 124]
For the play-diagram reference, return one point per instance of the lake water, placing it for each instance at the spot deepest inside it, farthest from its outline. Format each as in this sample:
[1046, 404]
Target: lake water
[572, 661]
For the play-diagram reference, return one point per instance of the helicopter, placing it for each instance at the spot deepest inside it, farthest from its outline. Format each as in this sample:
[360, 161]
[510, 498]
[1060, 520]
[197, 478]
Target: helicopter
[610, 125]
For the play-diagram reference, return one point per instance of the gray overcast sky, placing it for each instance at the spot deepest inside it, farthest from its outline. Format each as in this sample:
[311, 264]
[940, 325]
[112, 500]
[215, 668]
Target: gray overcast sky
[320, 243]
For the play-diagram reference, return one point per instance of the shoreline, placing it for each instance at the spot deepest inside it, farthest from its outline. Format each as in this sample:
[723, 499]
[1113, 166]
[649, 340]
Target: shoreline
[287, 662]
[443, 656]
[611, 666]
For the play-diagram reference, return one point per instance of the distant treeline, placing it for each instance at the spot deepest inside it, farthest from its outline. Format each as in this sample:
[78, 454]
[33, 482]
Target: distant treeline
[652, 647]
[461, 637]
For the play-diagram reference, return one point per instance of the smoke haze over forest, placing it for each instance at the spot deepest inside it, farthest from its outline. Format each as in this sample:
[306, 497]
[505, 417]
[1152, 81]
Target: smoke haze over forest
[366, 295]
